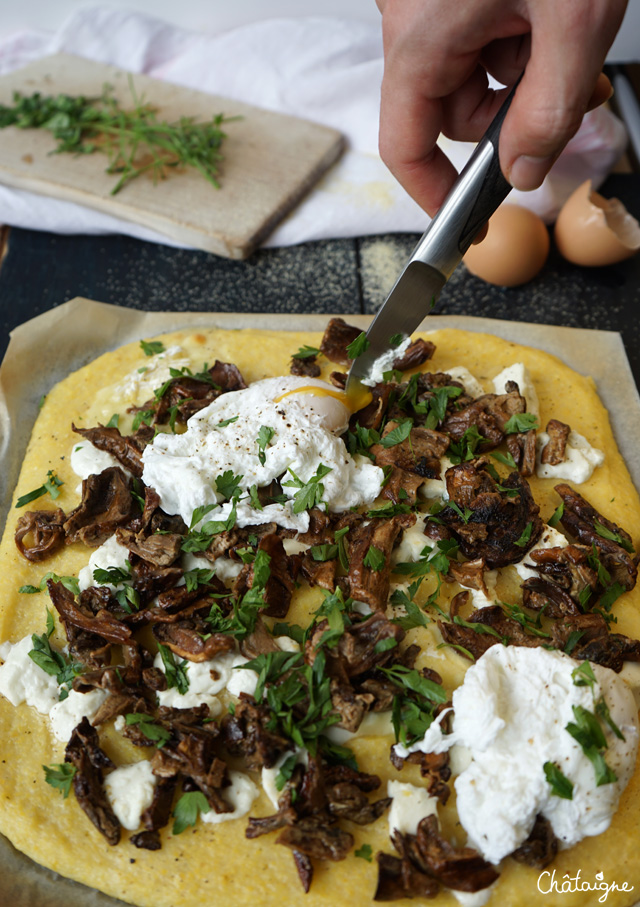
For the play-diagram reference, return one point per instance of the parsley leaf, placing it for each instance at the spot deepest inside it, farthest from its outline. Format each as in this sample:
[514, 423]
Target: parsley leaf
[286, 771]
[188, 807]
[605, 533]
[559, 783]
[358, 346]
[397, 435]
[365, 852]
[309, 494]
[465, 449]
[226, 422]
[113, 421]
[520, 422]
[152, 731]
[557, 515]
[112, 576]
[175, 672]
[395, 340]
[526, 535]
[265, 434]
[151, 347]
[60, 776]
[228, 484]
[50, 486]
[199, 576]
[374, 559]
[587, 732]
[505, 459]
[306, 352]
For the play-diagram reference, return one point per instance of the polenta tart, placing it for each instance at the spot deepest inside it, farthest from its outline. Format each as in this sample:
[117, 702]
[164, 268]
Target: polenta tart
[259, 648]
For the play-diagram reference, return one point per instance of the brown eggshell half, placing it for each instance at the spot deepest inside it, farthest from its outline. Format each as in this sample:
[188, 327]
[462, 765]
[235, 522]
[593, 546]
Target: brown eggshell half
[594, 231]
[514, 250]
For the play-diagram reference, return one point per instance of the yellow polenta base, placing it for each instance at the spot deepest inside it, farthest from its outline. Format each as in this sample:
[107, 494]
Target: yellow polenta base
[216, 865]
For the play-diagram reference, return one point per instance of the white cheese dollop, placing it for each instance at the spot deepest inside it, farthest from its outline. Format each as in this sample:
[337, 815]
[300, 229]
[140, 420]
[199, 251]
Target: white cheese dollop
[519, 373]
[155, 371]
[384, 363]
[129, 790]
[410, 805]
[183, 467]
[470, 383]
[242, 680]
[269, 775]
[412, 543]
[240, 795]
[437, 488]
[110, 554]
[580, 459]
[69, 712]
[478, 598]
[21, 680]
[550, 538]
[511, 712]
[206, 679]
[86, 460]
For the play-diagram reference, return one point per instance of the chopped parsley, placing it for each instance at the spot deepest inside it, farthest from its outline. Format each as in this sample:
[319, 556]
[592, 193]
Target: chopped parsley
[199, 576]
[175, 672]
[53, 662]
[374, 559]
[307, 352]
[587, 731]
[187, 810]
[70, 583]
[611, 536]
[226, 422]
[523, 541]
[397, 435]
[151, 347]
[228, 484]
[148, 727]
[50, 486]
[559, 783]
[520, 422]
[60, 776]
[358, 346]
[310, 493]
[365, 852]
[465, 449]
[265, 435]
[557, 515]
[395, 340]
[505, 459]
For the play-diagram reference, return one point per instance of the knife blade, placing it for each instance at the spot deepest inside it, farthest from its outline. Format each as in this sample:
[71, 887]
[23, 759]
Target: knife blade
[473, 198]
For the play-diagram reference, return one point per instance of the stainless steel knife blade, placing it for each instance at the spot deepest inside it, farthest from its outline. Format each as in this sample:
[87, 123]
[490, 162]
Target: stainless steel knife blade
[473, 198]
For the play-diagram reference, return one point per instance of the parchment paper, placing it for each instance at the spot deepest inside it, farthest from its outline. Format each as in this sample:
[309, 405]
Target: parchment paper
[44, 350]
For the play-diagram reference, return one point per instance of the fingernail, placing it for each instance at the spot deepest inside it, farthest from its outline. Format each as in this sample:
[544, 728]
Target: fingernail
[528, 172]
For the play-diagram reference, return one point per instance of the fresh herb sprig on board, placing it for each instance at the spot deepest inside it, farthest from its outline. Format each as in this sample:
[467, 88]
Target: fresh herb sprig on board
[135, 141]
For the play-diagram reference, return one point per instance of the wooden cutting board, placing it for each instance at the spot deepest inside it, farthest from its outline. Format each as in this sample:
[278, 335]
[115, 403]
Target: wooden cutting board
[270, 160]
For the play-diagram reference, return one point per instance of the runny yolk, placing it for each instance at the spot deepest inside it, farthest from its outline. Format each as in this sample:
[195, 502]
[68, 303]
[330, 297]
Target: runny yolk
[351, 401]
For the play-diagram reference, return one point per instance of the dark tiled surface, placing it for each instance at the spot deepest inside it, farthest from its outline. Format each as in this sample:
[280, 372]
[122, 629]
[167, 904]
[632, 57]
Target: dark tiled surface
[42, 270]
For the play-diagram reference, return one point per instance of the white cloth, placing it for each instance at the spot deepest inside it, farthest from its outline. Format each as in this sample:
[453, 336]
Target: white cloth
[323, 69]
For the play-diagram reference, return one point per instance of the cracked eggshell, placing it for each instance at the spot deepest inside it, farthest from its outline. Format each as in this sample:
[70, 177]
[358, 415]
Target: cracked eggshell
[594, 231]
[513, 251]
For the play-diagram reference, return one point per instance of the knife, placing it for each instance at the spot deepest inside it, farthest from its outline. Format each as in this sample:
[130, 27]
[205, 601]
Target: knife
[473, 198]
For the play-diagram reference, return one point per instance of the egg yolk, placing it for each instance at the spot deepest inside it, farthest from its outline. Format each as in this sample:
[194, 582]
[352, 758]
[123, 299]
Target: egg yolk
[353, 402]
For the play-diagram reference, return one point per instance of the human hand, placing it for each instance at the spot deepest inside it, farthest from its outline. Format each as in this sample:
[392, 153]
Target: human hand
[437, 56]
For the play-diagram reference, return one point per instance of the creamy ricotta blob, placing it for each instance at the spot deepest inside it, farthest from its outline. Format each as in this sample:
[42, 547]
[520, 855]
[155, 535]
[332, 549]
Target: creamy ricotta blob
[129, 790]
[110, 554]
[410, 806]
[384, 363]
[205, 678]
[303, 420]
[470, 383]
[511, 712]
[22, 680]
[240, 794]
[87, 460]
[550, 538]
[580, 459]
[519, 373]
[68, 713]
